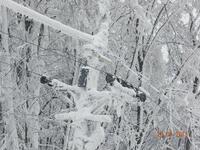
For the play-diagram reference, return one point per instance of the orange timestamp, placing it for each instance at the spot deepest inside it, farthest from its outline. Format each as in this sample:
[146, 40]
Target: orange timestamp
[168, 134]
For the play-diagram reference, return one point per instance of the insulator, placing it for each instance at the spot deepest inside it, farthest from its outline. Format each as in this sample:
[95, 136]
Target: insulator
[109, 78]
[44, 80]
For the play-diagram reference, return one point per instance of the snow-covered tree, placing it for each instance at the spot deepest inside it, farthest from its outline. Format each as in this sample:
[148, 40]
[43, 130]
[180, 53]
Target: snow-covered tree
[99, 74]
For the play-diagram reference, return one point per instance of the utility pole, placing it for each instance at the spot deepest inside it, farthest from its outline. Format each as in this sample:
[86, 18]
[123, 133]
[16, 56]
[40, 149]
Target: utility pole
[8, 87]
[93, 52]
[90, 76]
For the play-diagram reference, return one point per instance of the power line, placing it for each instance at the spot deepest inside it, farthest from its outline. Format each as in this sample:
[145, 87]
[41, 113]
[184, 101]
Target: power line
[80, 62]
[152, 101]
[18, 61]
[73, 58]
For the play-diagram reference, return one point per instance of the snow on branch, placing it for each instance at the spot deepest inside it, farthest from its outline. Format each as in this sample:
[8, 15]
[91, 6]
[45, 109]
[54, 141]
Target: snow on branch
[46, 20]
[141, 14]
[126, 90]
[81, 115]
[58, 85]
[92, 48]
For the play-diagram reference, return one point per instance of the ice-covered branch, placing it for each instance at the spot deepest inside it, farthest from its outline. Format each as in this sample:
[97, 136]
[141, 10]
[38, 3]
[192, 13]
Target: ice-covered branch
[58, 85]
[81, 115]
[126, 90]
[46, 20]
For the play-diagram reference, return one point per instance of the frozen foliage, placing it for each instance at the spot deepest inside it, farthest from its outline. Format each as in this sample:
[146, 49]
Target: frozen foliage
[140, 12]
[99, 74]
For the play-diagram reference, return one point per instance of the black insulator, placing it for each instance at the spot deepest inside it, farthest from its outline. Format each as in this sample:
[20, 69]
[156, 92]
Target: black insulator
[125, 84]
[44, 80]
[141, 96]
[109, 78]
[82, 82]
[49, 84]
[195, 86]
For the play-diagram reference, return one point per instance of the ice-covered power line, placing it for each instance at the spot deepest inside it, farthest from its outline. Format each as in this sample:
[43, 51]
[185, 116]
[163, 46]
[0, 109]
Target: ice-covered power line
[125, 84]
[56, 25]
[46, 20]
[137, 90]
[89, 66]
[78, 61]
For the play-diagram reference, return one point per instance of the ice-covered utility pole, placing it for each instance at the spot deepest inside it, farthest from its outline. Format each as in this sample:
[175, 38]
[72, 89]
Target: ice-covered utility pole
[93, 52]
[100, 44]
[11, 141]
[90, 76]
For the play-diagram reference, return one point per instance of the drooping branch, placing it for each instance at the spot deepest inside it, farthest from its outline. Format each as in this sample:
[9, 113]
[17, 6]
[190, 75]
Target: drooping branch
[46, 20]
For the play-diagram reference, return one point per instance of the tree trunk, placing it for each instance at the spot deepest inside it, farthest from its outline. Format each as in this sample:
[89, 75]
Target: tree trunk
[11, 129]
